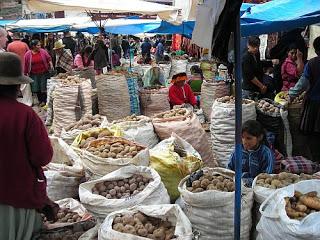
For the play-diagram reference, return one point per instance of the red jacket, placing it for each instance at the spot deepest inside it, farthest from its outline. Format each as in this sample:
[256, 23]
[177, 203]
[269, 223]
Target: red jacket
[25, 148]
[181, 95]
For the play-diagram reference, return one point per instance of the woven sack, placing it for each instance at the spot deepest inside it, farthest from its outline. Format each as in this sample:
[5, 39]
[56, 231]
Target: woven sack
[154, 101]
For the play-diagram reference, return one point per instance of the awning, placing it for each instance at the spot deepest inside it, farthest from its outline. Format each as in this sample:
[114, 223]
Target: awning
[106, 6]
[3, 23]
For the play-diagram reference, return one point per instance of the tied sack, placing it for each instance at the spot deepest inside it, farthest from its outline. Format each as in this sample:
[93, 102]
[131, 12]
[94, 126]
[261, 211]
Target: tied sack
[211, 90]
[154, 101]
[190, 129]
[140, 131]
[173, 159]
[113, 96]
[275, 223]
[64, 172]
[172, 213]
[222, 127]
[99, 166]
[178, 66]
[100, 206]
[212, 212]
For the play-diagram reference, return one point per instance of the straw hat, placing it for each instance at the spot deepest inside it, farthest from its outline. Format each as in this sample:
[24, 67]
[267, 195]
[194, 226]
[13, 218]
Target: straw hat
[11, 70]
[58, 45]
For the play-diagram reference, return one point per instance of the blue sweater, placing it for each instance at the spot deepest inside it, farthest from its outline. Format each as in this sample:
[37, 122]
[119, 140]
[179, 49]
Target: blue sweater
[254, 163]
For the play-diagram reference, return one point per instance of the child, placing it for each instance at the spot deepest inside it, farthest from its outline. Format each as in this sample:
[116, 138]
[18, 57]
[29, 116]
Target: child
[292, 68]
[256, 156]
[180, 93]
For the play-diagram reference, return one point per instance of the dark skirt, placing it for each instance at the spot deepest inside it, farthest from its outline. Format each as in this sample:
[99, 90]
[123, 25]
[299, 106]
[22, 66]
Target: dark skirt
[310, 119]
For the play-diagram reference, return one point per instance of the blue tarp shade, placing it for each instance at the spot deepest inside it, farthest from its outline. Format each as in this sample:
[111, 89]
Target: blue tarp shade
[43, 29]
[185, 28]
[279, 15]
[133, 29]
[5, 22]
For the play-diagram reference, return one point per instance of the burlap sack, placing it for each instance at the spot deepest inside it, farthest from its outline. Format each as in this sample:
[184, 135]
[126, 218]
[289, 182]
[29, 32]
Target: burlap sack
[154, 101]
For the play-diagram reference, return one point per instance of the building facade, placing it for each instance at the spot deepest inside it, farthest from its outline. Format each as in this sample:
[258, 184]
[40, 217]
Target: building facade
[10, 9]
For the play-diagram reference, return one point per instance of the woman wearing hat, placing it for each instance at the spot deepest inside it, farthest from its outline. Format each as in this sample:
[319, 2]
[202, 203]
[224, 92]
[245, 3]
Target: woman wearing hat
[180, 93]
[64, 58]
[37, 63]
[25, 148]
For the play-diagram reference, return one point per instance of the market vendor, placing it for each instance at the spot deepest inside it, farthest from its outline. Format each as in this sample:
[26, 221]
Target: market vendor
[64, 58]
[25, 148]
[310, 119]
[256, 156]
[180, 93]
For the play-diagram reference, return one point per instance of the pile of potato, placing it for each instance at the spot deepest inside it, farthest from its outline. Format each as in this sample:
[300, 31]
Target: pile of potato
[94, 135]
[132, 118]
[200, 181]
[142, 225]
[178, 112]
[114, 149]
[265, 106]
[123, 188]
[232, 100]
[85, 123]
[67, 80]
[301, 205]
[298, 100]
[280, 180]
[64, 215]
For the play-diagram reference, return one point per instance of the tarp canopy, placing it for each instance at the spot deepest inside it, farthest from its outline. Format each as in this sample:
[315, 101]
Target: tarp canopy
[279, 15]
[5, 22]
[185, 28]
[46, 25]
[105, 6]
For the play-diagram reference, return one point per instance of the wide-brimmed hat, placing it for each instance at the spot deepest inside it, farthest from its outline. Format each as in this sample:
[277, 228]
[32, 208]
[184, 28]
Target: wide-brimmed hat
[11, 70]
[58, 45]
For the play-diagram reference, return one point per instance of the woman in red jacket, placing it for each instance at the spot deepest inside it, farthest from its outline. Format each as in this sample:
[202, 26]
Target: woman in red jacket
[25, 148]
[180, 93]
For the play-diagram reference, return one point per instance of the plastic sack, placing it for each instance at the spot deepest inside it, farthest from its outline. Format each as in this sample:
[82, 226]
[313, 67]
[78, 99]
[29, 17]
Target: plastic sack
[154, 101]
[172, 166]
[188, 128]
[64, 173]
[154, 192]
[26, 95]
[212, 212]
[222, 128]
[133, 88]
[172, 213]
[178, 66]
[141, 131]
[275, 223]
[69, 136]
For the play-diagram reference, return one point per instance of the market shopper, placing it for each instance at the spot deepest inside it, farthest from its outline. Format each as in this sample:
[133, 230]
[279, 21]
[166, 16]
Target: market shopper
[69, 42]
[64, 58]
[18, 47]
[37, 63]
[146, 48]
[292, 68]
[115, 59]
[84, 58]
[310, 120]
[100, 56]
[252, 71]
[125, 47]
[160, 51]
[3, 39]
[25, 148]
[180, 93]
[256, 156]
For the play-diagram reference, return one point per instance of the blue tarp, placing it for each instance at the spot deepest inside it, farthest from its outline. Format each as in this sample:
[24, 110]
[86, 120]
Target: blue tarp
[279, 15]
[133, 29]
[43, 29]
[5, 22]
[185, 28]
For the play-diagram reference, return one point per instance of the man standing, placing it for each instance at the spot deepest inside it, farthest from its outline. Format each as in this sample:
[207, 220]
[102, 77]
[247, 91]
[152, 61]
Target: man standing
[160, 51]
[64, 59]
[3, 39]
[18, 47]
[125, 47]
[145, 48]
[69, 42]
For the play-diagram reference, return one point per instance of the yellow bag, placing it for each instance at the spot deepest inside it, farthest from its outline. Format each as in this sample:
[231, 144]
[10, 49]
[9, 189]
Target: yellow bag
[282, 98]
[171, 166]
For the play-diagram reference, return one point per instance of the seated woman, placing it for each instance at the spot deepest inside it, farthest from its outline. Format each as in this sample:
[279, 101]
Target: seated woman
[256, 156]
[196, 78]
[84, 58]
[292, 68]
[179, 92]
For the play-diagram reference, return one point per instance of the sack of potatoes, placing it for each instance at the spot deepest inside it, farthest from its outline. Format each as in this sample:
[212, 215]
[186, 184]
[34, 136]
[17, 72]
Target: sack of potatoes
[114, 147]
[157, 222]
[86, 123]
[125, 187]
[178, 112]
[232, 100]
[268, 107]
[68, 80]
[70, 212]
[204, 180]
[131, 118]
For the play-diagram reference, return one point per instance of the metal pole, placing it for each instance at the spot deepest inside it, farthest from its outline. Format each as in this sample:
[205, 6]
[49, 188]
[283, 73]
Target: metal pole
[238, 152]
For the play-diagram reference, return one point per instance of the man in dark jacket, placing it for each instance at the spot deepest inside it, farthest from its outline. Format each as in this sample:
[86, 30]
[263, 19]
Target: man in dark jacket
[69, 43]
[145, 48]
[125, 47]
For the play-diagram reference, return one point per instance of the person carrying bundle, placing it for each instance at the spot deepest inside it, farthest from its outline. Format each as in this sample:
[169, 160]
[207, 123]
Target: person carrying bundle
[180, 93]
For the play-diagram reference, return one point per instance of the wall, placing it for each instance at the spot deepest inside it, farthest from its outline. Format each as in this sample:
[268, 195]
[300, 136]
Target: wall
[10, 9]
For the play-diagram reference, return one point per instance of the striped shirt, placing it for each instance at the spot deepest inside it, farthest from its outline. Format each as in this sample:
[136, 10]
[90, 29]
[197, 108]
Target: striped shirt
[65, 60]
[254, 163]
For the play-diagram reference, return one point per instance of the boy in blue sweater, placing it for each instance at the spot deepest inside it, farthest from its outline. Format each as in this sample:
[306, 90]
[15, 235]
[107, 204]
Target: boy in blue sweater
[256, 156]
